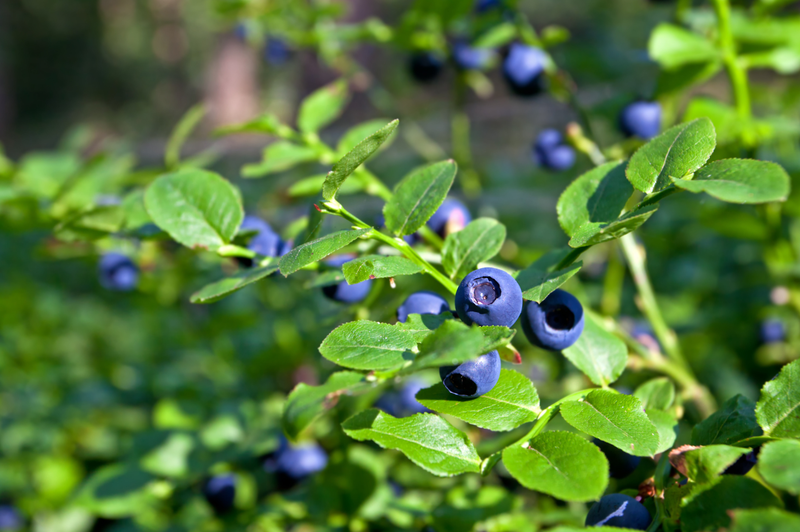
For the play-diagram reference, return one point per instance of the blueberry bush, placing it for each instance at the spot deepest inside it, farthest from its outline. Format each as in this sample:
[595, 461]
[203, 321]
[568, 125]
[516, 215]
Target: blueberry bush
[357, 366]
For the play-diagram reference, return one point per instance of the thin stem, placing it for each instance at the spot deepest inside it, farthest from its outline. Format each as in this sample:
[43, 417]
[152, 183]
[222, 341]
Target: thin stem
[549, 413]
[460, 131]
[658, 196]
[612, 283]
[570, 258]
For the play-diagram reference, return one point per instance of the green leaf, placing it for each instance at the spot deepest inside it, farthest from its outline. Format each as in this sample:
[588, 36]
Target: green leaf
[598, 353]
[512, 402]
[665, 424]
[117, 490]
[733, 422]
[675, 80]
[378, 267]
[598, 196]
[561, 464]
[358, 133]
[777, 410]
[199, 209]
[740, 181]
[94, 223]
[370, 345]
[43, 174]
[595, 233]
[171, 458]
[477, 242]
[705, 464]
[779, 465]
[318, 249]
[496, 336]
[658, 393]
[450, 345]
[268, 124]
[311, 186]
[677, 152]
[280, 156]
[710, 509]
[539, 280]
[672, 46]
[766, 520]
[497, 36]
[323, 106]
[187, 124]
[417, 197]
[306, 403]
[427, 440]
[355, 158]
[615, 418]
[227, 286]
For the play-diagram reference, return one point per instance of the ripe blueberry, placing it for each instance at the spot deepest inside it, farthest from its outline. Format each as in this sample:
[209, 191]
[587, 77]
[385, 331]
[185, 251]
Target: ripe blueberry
[554, 324]
[489, 296]
[472, 378]
[276, 52]
[743, 465]
[343, 292]
[10, 518]
[118, 272]
[772, 331]
[551, 152]
[265, 242]
[450, 217]
[620, 463]
[404, 402]
[220, 491]
[482, 6]
[300, 461]
[523, 69]
[468, 58]
[641, 119]
[425, 66]
[620, 511]
[422, 303]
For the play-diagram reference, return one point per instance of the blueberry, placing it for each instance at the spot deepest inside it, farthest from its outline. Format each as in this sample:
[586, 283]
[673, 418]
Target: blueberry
[450, 217]
[524, 69]
[743, 465]
[482, 6]
[276, 52]
[554, 324]
[468, 58]
[489, 296]
[300, 461]
[473, 378]
[772, 331]
[10, 518]
[265, 242]
[620, 511]
[425, 66]
[118, 272]
[551, 152]
[220, 492]
[422, 303]
[547, 140]
[403, 402]
[620, 463]
[641, 119]
[343, 292]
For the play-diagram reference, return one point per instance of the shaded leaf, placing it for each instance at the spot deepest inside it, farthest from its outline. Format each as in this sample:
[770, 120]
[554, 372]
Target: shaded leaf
[765, 520]
[710, 509]
[417, 197]
[704, 464]
[227, 286]
[779, 465]
[740, 181]
[449, 345]
[539, 280]
[658, 393]
[278, 157]
[477, 242]
[596, 197]
[306, 403]
[600, 355]
[733, 422]
[318, 249]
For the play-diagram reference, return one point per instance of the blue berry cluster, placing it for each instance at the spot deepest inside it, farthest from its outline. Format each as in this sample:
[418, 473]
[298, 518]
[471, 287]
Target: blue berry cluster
[342, 291]
[551, 152]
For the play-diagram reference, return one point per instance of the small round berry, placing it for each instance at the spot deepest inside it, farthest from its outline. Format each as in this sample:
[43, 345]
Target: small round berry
[524, 69]
[558, 158]
[472, 378]
[403, 402]
[265, 241]
[641, 119]
[554, 324]
[276, 52]
[118, 272]
[10, 518]
[422, 303]
[482, 6]
[220, 492]
[489, 296]
[772, 331]
[426, 66]
[302, 460]
[467, 57]
[342, 291]
[619, 511]
[451, 216]
[620, 463]
[547, 140]
[743, 465]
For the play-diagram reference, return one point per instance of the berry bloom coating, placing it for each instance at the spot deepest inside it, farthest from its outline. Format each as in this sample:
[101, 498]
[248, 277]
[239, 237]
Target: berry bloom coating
[743, 465]
[422, 303]
[450, 217]
[620, 463]
[343, 292]
[489, 296]
[10, 518]
[641, 119]
[403, 402]
[620, 511]
[220, 492]
[550, 152]
[523, 69]
[118, 272]
[772, 331]
[472, 378]
[554, 324]
[425, 66]
[468, 58]
[300, 461]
